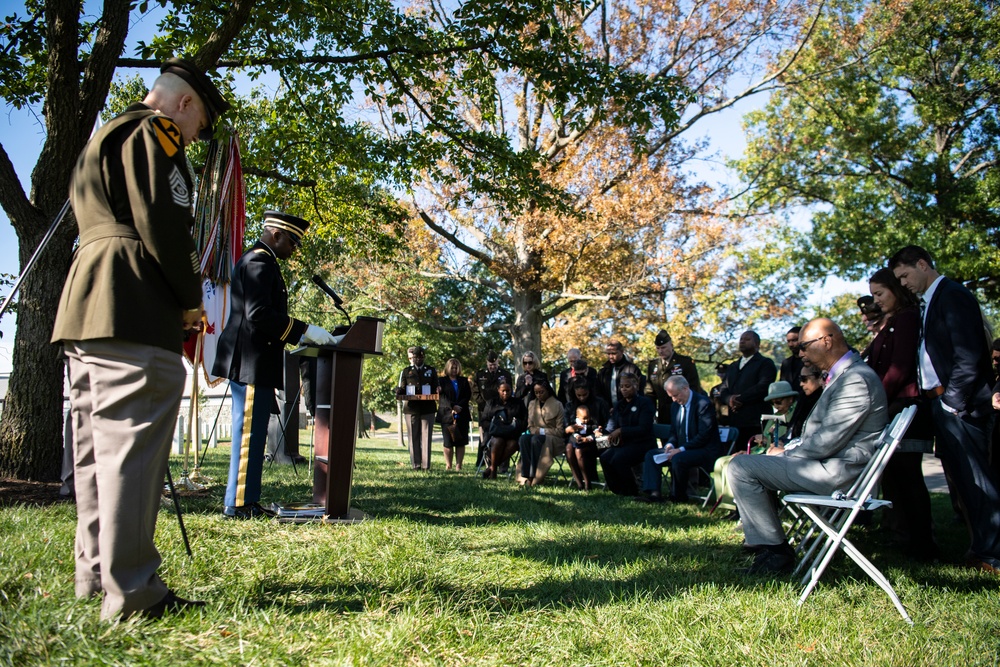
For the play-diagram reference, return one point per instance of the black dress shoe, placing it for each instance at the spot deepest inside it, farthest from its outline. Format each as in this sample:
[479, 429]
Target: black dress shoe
[650, 498]
[768, 562]
[170, 604]
[251, 511]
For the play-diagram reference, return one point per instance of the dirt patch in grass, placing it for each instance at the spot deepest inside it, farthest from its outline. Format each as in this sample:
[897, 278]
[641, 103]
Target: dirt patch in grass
[14, 491]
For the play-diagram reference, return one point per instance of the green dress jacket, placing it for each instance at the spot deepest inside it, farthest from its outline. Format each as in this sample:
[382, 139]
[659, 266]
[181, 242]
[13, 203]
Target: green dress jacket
[136, 269]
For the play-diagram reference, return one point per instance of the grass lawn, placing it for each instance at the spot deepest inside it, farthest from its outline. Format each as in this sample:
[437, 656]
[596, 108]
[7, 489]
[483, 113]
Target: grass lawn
[452, 570]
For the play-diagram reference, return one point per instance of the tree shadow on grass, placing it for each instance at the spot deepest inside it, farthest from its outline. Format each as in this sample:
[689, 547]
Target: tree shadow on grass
[653, 573]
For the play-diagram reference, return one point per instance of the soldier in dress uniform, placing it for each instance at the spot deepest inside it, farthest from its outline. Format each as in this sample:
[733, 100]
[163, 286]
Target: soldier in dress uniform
[419, 414]
[133, 290]
[250, 354]
[659, 370]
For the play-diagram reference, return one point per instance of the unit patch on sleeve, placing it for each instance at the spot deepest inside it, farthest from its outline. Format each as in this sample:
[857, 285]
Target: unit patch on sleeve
[167, 134]
[178, 188]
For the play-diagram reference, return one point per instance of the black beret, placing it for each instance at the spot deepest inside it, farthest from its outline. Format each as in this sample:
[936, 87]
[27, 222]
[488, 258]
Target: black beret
[215, 103]
[662, 338]
[492, 356]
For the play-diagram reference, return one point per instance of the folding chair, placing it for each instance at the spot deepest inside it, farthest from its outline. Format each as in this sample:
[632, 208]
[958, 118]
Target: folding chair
[834, 514]
[727, 434]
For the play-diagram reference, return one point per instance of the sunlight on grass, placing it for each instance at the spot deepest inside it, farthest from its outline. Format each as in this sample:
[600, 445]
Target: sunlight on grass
[452, 570]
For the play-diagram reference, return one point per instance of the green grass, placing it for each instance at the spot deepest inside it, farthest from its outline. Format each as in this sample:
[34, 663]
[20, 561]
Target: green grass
[451, 570]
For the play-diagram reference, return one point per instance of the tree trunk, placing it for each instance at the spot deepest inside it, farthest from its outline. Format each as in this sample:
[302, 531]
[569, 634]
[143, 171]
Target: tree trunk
[526, 331]
[31, 430]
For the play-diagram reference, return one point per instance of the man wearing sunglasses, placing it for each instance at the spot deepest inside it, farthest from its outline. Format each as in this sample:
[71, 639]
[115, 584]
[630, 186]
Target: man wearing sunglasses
[837, 441]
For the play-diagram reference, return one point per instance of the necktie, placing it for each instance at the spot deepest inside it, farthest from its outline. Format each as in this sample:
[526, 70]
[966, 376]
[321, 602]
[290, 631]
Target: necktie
[920, 345]
[682, 426]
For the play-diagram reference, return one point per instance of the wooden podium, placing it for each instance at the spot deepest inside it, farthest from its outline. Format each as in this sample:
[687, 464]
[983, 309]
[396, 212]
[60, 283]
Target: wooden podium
[338, 401]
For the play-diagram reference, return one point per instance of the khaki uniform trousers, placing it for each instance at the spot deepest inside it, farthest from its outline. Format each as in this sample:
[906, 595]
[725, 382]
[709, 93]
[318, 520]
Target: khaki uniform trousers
[124, 398]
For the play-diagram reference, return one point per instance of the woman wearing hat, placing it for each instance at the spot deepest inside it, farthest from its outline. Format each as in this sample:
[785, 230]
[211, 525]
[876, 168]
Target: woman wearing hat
[782, 398]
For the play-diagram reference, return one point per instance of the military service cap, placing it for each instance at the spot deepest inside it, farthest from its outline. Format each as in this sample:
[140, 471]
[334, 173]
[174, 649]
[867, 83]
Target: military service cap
[289, 223]
[215, 103]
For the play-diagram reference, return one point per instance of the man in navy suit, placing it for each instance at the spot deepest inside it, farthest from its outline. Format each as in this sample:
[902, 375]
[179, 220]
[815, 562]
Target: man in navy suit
[693, 443]
[953, 362]
[745, 387]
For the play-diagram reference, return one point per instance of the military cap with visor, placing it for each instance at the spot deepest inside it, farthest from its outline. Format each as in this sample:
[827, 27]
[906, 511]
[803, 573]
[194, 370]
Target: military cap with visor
[287, 223]
[215, 103]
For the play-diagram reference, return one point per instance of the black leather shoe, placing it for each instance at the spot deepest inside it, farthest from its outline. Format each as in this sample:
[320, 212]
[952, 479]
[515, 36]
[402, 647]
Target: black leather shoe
[251, 511]
[650, 498]
[768, 562]
[170, 604]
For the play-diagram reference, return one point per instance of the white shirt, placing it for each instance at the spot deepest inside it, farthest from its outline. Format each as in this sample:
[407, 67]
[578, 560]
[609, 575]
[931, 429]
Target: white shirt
[927, 375]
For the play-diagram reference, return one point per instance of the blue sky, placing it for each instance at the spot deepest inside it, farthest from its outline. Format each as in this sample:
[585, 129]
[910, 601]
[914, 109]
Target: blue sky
[22, 134]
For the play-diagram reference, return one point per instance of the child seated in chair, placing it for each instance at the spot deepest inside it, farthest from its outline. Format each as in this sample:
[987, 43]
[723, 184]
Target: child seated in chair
[581, 450]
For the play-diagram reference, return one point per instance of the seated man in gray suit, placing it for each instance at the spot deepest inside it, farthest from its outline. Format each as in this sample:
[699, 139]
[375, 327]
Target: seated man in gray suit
[837, 441]
[693, 443]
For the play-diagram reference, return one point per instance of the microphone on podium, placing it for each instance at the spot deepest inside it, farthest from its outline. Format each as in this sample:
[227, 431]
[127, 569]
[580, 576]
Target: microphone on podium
[337, 301]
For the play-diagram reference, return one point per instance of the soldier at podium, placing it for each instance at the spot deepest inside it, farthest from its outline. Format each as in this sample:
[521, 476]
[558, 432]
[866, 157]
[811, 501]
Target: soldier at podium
[415, 380]
[250, 355]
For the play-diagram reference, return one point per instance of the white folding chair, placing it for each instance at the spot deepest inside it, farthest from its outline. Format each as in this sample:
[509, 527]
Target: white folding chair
[834, 514]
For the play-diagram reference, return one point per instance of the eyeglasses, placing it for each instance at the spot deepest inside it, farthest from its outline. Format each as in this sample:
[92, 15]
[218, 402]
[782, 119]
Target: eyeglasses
[803, 378]
[527, 362]
[805, 344]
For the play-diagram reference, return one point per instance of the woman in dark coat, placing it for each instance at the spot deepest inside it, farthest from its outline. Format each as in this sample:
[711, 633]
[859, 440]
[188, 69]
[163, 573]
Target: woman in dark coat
[893, 356]
[631, 437]
[504, 420]
[455, 393]
[524, 387]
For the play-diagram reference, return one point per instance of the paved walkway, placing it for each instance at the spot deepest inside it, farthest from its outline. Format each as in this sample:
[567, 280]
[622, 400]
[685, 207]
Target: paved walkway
[934, 474]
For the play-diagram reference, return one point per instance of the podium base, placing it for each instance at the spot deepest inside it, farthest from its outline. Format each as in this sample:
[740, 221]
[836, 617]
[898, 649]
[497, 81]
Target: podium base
[314, 513]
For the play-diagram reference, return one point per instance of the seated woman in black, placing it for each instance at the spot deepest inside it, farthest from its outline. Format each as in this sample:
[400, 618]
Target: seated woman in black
[631, 437]
[811, 381]
[581, 453]
[504, 419]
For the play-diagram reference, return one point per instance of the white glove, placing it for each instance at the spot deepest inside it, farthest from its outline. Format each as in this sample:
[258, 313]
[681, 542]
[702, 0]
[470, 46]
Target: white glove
[315, 335]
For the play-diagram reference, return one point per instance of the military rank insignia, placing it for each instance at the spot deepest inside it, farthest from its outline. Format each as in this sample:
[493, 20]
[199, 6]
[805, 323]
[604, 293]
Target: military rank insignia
[167, 134]
[178, 188]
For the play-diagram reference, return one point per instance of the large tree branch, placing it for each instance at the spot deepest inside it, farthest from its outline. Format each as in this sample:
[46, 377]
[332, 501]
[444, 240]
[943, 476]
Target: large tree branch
[437, 326]
[12, 196]
[275, 175]
[769, 82]
[454, 240]
[235, 18]
[100, 67]
[314, 59]
[461, 278]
